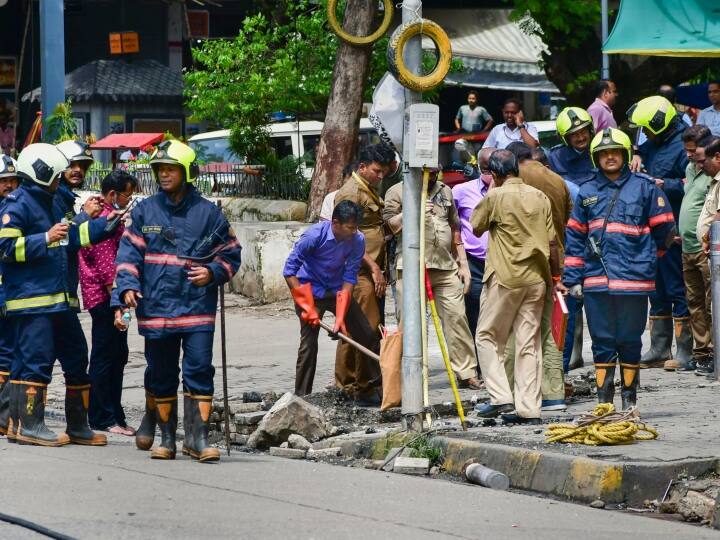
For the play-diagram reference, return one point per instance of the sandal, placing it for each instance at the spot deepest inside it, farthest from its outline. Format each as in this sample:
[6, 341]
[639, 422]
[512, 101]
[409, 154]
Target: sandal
[119, 430]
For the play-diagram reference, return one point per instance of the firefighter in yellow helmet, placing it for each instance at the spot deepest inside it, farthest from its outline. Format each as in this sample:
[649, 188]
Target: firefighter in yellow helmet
[619, 224]
[175, 254]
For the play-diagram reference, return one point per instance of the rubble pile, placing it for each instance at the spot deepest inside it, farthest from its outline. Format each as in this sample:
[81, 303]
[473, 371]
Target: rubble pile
[694, 499]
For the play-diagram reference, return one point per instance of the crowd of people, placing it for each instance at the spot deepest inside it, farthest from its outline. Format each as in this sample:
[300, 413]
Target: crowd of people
[617, 227]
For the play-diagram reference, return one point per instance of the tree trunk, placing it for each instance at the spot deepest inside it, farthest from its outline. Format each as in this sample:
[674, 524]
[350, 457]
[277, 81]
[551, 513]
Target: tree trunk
[340, 131]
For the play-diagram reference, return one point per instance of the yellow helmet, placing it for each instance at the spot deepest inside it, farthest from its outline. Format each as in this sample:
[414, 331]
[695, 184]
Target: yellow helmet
[610, 138]
[175, 153]
[654, 113]
[572, 119]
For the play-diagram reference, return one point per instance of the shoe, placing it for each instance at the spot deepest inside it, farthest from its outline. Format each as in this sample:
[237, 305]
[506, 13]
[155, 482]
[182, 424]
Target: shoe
[705, 367]
[683, 343]
[198, 409]
[369, 400]
[605, 380]
[166, 414]
[630, 380]
[660, 341]
[77, 401]
[145, 434]
[576, 359]
[30, 410]
[514, 418]
[4, 401]
[553, 405]
[690, 367]
[472, 383]
[488, 410]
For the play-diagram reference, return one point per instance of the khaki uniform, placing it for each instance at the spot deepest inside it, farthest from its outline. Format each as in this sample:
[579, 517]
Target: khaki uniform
[710, 209]
[535, 174]
[517, 275]
[355, 373]
[442, 270]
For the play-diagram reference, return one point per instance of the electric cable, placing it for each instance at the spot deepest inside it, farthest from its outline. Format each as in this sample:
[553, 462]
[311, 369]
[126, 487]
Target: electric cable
[25, 524]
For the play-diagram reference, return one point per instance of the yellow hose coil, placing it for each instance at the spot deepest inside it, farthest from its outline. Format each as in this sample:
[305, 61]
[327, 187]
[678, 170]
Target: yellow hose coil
[603, 426]
[359, 40]
[396, 47]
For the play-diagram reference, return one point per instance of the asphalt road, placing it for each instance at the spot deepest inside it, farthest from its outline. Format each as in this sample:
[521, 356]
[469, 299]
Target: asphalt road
[118, 492]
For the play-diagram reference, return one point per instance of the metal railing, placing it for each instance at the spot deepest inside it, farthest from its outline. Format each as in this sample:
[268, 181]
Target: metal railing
[267, 184]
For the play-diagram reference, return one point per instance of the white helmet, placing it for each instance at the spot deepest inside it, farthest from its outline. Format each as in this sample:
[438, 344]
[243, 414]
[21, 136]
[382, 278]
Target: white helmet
[8, 167]
[76, 151]
[41, 163]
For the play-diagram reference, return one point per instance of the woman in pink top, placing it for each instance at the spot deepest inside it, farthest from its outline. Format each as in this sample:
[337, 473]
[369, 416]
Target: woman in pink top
[109, 345]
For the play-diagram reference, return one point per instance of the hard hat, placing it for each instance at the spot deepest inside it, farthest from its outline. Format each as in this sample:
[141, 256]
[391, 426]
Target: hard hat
[8, 167]
[175, 153]
[610, 138]
[76, 151]
[41, 163]
[654, 113]
[572, 119]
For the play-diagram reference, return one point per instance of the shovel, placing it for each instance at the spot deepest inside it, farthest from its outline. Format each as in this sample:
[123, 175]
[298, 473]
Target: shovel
[350, 341]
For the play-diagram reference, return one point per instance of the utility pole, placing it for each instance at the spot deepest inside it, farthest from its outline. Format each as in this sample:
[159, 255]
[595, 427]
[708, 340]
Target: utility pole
[412, 383]
[52, 65]
[605, 72]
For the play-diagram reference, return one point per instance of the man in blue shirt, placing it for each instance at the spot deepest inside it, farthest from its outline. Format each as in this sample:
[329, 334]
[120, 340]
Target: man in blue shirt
[321, 272]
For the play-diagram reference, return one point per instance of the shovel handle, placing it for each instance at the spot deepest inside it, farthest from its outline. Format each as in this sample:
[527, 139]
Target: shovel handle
[350, 341]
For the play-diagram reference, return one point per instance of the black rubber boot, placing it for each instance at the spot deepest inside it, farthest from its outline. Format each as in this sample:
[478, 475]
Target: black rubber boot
[4, 401]
[145, 434]
[605, 380]
[13, 396]
[661, 332]
[198, 447]
[576, 358]
[166, 414]
[684, 346]
[30, 406]
[630, 379]
[77, 401]
[187, 424]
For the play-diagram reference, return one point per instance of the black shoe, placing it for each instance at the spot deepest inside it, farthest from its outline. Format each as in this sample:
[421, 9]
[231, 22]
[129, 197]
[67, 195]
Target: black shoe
[690, 367]
[371, 400]
[488, 410]
[514, 418]
[705, 367]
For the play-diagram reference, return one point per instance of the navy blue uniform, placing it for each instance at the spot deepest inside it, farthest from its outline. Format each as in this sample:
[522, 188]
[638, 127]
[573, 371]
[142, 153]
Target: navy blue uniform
[666, 159]
[6, 342]
[173, 312]
[35, 278]
[636, 232]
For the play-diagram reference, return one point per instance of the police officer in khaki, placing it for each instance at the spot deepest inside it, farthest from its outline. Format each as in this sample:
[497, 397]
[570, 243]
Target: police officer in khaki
[447, 267]
[358, 375]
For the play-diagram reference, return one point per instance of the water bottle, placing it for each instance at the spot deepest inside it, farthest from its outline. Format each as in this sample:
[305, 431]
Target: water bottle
[65, 241]
[126, 318]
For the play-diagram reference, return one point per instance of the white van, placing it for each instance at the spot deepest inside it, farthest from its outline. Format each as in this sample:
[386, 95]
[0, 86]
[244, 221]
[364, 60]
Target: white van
[299, 139]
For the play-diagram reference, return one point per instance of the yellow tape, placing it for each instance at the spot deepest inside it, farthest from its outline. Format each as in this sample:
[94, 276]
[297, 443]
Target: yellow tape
[9, 232]
[36, 301]
[20, 249]
[85, 234]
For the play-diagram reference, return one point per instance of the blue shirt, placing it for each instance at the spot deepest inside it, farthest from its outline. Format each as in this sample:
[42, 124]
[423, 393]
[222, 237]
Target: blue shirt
[320, 259]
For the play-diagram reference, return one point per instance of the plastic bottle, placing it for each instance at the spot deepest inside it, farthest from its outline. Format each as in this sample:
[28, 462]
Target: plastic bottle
[65, 241]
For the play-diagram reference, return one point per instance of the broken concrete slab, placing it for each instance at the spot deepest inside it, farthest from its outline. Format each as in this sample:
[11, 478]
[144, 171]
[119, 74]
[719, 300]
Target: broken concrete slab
[409, 465]
[390, 458]
[290, 453]
[333, 451]
[239, 408]
[249, 418]
[298, 441]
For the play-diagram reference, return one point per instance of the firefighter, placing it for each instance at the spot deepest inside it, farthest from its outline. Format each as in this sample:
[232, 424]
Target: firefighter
[622, 222]
[173, 256]
[8, 183]
[663, 157]
[34, 246]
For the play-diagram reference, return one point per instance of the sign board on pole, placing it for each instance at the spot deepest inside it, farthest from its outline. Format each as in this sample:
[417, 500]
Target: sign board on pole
[422, 129]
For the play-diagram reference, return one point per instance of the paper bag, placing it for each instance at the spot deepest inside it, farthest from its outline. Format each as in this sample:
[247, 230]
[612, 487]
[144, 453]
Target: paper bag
[391, 368]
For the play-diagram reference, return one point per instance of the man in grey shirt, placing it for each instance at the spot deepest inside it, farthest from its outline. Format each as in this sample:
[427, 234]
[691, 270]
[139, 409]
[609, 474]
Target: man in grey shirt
[710, 117]
[472, 117]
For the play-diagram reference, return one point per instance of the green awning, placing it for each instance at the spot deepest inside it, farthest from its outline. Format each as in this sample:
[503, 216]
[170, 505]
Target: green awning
[666, 28]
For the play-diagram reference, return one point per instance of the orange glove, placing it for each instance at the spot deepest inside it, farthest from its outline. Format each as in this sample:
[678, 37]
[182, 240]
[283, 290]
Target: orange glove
[303, 297]
[342, 304]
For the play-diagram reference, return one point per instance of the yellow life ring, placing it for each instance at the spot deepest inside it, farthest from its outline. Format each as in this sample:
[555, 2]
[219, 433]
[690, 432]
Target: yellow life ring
[359, 40]
[396, 47]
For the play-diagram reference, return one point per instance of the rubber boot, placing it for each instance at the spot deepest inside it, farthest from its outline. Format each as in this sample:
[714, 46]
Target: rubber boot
[630, 379]
[4, 401]
[605, 380]
[13, 396]
[576, 359]
[77, 401]
[198, 447]
[145, 434]
[166, 414]
[660, 342]
[187, 424]
[30, 407]
[684, 346]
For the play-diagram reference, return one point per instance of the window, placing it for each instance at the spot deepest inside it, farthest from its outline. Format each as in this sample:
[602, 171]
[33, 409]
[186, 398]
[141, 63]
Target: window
[310, 144]
[282, 146]
[215, 151]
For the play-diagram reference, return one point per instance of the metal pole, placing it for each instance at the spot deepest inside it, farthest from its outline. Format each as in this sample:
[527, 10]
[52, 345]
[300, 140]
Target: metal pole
[605, 73]
[412, 387]
[715, 287]
[52, 65]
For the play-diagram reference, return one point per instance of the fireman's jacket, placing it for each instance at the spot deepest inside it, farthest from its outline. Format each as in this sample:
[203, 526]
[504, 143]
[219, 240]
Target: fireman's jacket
[665, 158]
[150, 261]
[638, 229]
[2, 291]
[35, 274]
[574, 166]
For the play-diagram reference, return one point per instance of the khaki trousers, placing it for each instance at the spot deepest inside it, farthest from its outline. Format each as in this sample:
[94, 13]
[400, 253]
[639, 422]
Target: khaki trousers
[450, 303]
[696, 273]
[552, 386]
[501, 311]
[355, 373]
